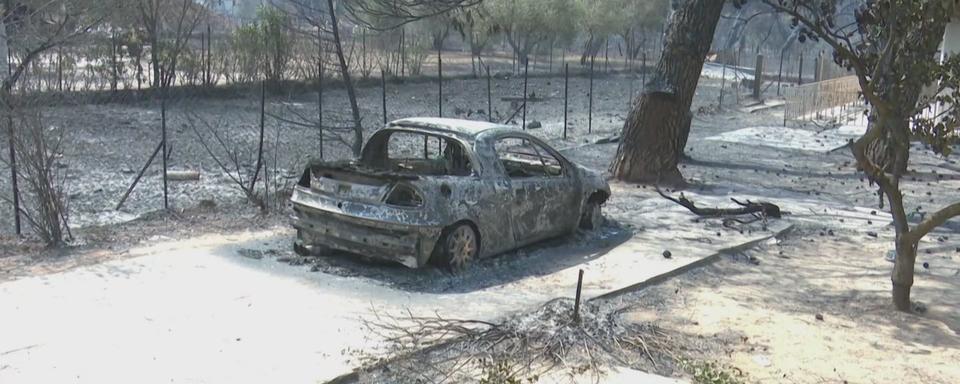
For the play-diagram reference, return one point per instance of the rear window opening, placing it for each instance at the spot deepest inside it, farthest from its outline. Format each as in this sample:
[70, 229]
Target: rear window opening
[416, 153]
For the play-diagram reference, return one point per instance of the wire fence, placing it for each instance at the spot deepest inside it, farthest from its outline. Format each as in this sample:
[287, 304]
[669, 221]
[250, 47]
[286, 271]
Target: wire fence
[822, 100]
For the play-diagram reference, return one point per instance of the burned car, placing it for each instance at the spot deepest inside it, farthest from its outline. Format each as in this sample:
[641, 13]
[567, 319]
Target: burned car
[445, 191]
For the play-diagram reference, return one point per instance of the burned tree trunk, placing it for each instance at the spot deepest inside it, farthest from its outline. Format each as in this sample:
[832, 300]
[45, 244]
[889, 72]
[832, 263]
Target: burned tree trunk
[656, 130]
[345, 72]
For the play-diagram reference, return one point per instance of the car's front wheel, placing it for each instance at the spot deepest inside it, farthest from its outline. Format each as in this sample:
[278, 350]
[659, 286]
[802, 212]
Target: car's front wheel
[459, 247]
[591, 217]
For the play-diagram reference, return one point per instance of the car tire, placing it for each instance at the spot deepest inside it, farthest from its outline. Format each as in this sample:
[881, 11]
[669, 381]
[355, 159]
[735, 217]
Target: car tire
[458, 247]
[299, 248]
[591, 218]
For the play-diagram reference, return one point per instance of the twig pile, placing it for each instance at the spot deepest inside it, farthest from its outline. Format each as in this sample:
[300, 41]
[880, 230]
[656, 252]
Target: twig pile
[437, 350]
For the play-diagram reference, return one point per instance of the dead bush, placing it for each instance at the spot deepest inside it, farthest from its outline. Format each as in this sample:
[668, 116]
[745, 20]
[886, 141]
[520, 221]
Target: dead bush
[41, 181]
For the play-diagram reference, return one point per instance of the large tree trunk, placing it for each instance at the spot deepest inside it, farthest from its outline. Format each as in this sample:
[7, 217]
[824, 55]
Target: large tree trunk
[656, 130]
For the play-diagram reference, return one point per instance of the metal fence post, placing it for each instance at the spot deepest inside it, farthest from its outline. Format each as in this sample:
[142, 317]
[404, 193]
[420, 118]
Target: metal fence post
[780, 73]
[590, 106]
[383, 94]
[526, 67]
[566, 82]
[489, 97]
[439, 85]
[800, 70]
[320, 99]
[163, 136]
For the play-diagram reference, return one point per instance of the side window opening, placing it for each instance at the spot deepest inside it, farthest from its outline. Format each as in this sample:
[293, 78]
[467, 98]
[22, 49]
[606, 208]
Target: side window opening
[422, 154]
[522, 158]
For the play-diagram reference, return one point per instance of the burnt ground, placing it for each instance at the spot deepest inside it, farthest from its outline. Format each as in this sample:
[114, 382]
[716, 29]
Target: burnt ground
[107, 144]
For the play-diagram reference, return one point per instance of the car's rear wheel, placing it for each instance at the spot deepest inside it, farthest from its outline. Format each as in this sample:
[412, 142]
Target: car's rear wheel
[299, 247]
[459, 247]
[591, 217]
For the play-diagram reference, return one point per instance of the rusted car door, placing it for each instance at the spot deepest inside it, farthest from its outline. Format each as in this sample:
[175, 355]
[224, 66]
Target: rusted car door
[543, 192]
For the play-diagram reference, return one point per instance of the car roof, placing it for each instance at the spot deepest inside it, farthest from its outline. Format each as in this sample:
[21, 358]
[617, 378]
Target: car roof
[468, 129]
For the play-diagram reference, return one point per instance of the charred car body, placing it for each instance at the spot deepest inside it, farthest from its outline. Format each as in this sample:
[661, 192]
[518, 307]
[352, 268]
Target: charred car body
[446, 191]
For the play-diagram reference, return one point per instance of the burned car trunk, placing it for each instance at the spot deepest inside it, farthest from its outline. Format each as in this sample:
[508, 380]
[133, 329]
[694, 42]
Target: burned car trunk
[443, 190]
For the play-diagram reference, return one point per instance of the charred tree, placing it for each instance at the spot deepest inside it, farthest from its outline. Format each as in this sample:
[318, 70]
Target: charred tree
[345, 72]
[656, 130]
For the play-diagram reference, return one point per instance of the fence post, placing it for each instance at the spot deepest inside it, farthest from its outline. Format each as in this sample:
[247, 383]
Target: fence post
[758, 76]
[576, 301]
[800, 70]
[163, 138]
[566, 82]
[320, 91]
[489, 97]
[643, 80]
[209, 55]
[439, 88]
[723, 83]
[590, 106]
[526, 65]
[780, 73]
[383, 94]
[13, 174]
[817, 67]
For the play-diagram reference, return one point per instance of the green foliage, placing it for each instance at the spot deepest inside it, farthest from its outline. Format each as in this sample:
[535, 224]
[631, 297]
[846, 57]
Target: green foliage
[528, 23]
[419, 45]
[501, 372]
[277, 39]
[247, 51]
[265, 47]
[708, 372]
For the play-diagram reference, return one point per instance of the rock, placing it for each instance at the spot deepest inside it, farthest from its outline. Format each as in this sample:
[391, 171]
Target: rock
[819, 317]
[762, 360]
[919, 307]
[534, 125]
[667, 254]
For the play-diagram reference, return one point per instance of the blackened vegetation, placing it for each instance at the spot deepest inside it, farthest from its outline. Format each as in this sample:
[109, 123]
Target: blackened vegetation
[521, 349]
[759, 210]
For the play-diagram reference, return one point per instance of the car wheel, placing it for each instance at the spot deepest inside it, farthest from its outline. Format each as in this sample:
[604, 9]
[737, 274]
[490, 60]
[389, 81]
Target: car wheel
[299, 247]
[459, 247]
[591, 218]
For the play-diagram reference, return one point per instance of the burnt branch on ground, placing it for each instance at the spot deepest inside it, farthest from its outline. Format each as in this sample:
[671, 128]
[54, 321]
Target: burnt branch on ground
[761, 208]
